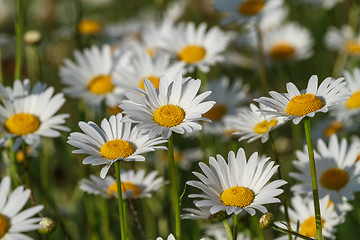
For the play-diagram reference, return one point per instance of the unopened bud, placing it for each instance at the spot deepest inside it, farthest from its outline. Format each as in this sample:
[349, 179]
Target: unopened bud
[266, 220]
[32, 37]
[48, 225]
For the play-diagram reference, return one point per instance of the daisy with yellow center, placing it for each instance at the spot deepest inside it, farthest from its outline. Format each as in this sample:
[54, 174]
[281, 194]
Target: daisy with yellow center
[337, 169]
[302, 213]
[344, 40]
[115, 140]
[29, 114]
[134, 184]
[238, 185]
[13, 221]
[295, 105]
[91, 75]
[173, 107]
[196, 46]
[251, 124]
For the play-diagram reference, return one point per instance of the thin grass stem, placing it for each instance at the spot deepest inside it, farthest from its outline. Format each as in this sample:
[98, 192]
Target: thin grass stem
[122, 216]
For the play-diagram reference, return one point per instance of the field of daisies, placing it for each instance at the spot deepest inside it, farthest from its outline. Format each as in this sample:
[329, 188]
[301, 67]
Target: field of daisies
[179, 120]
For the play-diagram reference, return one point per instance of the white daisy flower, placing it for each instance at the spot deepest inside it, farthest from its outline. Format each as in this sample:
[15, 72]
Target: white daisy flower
[12, 221]
[238, 185]
[133, 184]
[343, 40]
[296, 105]
[203, 213]
[173, 107]
[28, 114]
[245, 10]
[338, 173]
[252, 124]
[170, 237]
[303, 214]
[328, 4]
[91, 76]
[114, 141]
[288, 42]
[197, 47]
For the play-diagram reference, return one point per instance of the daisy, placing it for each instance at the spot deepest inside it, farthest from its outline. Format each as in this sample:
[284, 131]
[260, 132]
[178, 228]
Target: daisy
[91, 76]
[27, 114]
[133, 184]
[203, 213]
[303, 214]
[173, 107]
[12, 221]
[114, 141]
[296, 105]
[245, 10]
[238, 185]
[252, 124]
[336, 167]
[328, 4]
[170, 237]
[343, 40]
[197, 47]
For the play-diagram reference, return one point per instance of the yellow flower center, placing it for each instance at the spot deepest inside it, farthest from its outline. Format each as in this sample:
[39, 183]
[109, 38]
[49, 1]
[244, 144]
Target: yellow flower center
[125, 186]
[357, 158]
[216, 112]
[334, 179]
[87, 27]
[114, 149]
[264, 126]
[251, 7]
[4, 225]
[354, 100]
[303, 104]
[101, 84]
[353, 47]
[114, 110]
[22, 123]
[308, 227]
[192, 53]
[333, 128]
[282, 51]
[154, 80]
[151, 51]
[169, 115]
[237, 197]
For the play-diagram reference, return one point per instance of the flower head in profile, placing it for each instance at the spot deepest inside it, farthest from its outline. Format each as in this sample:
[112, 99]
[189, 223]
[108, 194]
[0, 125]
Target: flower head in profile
[134, 184]
[237, 186]
[114, 141]
[13, 221]
[336, 167]
[174, 107]
[295, 105]
[28, 114]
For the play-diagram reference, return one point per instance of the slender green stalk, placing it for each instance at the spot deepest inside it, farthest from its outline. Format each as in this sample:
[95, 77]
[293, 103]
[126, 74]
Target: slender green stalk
[105, 233]
[277, 228]
[283, 196]
[19, 28]
[122, 216]
[228, 229]
[27, 173]
[14, 165]
[174, 188]
[263, 77]
[236, 221]
[313, 178]
[1, 72]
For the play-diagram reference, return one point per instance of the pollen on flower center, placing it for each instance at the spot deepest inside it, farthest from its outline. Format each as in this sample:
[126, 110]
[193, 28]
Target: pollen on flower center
[237, 197]
[22, 123]
[169, 115]
[303, 104]
[353, 47]
[333, 128]
[100, 84]
[353, 101]
[114, 149]
[216, 112]
[192, 53]
[4, 225]
[264, 126]
[281, 51]
[251, 7]
[334, 179]
[87, 26]
[125, 187]
[308, 227]
[154, 80]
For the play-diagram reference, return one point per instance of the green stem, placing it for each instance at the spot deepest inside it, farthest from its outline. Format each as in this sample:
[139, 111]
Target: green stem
[27, 173]
[236, 221]
[227, 228]
[283, 196]
[14, 165]
[277, 228]
[174, 188]
[19, 25]
[105, 233]
[313, 178]
[122, 216]
[263, 77]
